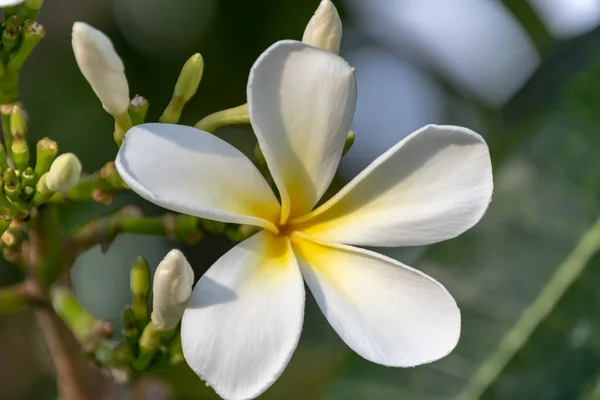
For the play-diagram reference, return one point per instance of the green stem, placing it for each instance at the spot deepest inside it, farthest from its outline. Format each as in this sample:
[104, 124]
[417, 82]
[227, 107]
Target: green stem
[88, 187]
[530, 21]
[49, 268]
[17, 297]
[517, 336]
[122, 125]
[232, 116]
[131, 220]
[173, 226]
[88, 330]
[148, 346]
[173, 110]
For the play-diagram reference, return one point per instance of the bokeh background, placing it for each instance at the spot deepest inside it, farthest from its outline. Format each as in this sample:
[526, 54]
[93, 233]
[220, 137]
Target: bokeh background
[523, 73]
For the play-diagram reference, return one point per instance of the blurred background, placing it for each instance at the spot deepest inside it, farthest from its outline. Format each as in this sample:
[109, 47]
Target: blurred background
[523, 73]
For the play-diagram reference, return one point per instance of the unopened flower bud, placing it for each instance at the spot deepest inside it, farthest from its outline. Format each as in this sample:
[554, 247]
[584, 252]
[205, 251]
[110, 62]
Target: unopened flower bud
[64, 173]
[46, 150]
[350, 138]
[185, 88]
[324, 29]
[18, 127]
[102, 67]
[189, 78]
[172, 287]
[32, 32]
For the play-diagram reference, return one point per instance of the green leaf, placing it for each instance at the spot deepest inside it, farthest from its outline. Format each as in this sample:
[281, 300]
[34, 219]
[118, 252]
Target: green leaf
[553, 350]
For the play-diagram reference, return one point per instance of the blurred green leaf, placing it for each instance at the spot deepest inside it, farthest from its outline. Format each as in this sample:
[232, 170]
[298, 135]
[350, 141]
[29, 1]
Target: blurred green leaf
[553, 350]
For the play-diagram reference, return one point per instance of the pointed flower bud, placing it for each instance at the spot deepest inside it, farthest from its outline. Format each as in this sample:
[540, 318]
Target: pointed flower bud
[189, 78]
[185, 88]
[102, 68]
[64, 173]
[324, 29]
[172, 287]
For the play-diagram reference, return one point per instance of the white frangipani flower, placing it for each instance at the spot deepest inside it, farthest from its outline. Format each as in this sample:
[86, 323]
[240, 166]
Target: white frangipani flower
[172, 288]
[245, 315]
[102, 68]
[324, 29]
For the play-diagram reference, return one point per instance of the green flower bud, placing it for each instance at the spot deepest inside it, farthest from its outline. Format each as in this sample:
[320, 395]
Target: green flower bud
[349, 142]
[28, 177]
[140, 287]
[32, 32]
[46, 151]
[18, 126]
[20, 152]
[189, 78]
[185, 88]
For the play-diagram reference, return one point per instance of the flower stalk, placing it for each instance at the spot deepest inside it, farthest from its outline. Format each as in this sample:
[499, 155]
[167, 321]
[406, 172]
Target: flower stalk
[88, 330]
[232, 116]
[140, 289]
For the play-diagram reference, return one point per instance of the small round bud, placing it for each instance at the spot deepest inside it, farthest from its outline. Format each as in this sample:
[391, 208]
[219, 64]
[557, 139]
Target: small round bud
[64, 173]
[324, 29]
[172, 288]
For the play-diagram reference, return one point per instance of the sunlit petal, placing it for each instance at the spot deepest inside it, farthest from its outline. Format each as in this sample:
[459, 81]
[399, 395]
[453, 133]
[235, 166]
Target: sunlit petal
[385, 311]
[244, 319]
[301, 101]
[432, 186]
[190, 171]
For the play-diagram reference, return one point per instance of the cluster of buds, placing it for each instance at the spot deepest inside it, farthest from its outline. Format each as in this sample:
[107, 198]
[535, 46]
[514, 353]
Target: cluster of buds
[104, 70]
[151, 338]
[20, 34]
[24, 187]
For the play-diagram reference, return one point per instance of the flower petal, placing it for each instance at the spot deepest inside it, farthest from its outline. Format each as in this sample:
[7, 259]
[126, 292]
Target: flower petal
[301, 101]
[385, 311]
[431, 186]
[244, 319]
[190, 171]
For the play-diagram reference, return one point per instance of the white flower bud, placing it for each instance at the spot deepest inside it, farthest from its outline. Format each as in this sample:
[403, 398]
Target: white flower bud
[172, 289]
[64, 173]
[324, 29]
[102, 67]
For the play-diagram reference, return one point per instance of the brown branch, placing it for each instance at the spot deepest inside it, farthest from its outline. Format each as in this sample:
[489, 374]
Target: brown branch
[130, 219]
[75, 379]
